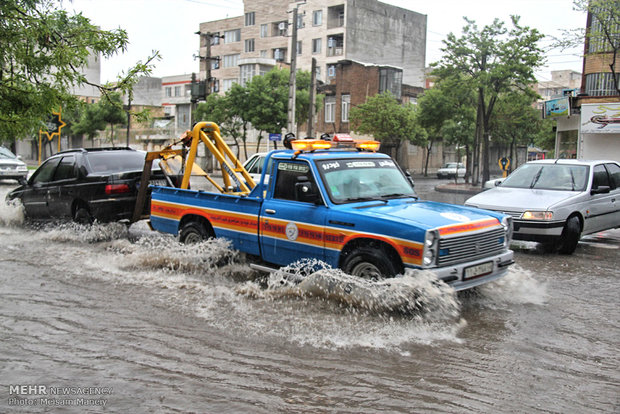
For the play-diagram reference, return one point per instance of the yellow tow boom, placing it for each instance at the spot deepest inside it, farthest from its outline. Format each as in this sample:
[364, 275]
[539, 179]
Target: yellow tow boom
[230, 166]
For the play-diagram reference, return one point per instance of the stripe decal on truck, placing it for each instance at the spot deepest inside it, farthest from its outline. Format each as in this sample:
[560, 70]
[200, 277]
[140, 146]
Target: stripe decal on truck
[332, 238]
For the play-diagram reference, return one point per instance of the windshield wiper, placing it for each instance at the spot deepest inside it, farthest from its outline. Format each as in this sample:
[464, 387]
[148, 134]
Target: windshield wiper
[572, 179]
[355, 199]
[398, 195]
[535, 180]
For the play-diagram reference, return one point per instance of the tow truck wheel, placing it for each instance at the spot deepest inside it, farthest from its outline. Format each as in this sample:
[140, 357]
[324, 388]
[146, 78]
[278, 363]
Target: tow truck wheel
[193, 232]
[369, 263]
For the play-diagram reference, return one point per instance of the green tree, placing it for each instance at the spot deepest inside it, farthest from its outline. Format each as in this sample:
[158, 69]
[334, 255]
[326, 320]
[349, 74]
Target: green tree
[110, 109]
[268, 101]
[434, 109]
[89, 123]
[383, 117]
[495, 60]
[43, 51]
[225, 111]
[515, 121]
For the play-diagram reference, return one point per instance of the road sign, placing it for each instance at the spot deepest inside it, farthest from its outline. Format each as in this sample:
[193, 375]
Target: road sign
[275, 137]
[504, 163]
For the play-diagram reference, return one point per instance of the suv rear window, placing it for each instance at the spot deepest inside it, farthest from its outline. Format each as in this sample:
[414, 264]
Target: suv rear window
[108, 162]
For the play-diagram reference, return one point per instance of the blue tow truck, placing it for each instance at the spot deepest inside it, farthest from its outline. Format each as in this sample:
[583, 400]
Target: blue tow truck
[338, 202]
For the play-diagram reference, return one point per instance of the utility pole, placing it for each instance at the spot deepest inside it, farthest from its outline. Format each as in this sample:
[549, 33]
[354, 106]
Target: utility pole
[293, 77]
[310, 131]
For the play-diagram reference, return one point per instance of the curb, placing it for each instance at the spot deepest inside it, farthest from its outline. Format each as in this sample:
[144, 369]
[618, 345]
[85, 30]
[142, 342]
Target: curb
[458, 189]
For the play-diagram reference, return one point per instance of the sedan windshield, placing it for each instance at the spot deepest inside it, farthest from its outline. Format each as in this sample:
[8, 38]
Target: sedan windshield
[352, 180]
[561, 177]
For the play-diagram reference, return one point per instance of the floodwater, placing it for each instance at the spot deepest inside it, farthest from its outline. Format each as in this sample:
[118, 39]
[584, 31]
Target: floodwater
[135, 322]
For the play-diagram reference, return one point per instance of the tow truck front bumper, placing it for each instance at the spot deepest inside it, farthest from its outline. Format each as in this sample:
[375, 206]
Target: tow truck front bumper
[468, 275]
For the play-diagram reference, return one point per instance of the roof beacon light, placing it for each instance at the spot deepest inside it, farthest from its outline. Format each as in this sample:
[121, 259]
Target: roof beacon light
[310, 144]
[368, 145]
[343, 138]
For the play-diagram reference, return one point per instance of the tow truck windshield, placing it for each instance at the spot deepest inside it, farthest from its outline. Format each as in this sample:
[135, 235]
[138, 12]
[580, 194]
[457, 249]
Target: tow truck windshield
[355, 180]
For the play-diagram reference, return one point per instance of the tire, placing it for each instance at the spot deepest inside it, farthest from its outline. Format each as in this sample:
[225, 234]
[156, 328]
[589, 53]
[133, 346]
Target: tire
[570, 236]
[193, 232]
[369, 263]
[82, 215]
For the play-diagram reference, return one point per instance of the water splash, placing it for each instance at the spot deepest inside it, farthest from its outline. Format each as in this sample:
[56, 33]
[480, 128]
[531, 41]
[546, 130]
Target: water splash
[415, 293]
[83, 233]
[518, 287]
[11, 212]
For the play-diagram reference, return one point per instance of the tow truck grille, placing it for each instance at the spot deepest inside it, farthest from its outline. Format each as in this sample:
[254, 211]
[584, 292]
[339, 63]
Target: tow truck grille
[471, 247]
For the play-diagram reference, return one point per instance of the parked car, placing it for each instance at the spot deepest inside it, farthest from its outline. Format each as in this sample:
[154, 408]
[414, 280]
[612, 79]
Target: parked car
[555, 202]
[451, 169]
[85, 185]
[254, 166]
[11, 166]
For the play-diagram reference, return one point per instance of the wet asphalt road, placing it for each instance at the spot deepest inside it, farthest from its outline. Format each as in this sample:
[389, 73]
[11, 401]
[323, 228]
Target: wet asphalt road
[130, 321]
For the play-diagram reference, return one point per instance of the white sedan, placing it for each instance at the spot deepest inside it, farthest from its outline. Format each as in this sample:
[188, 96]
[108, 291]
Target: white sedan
[451, 169]
[555, 202]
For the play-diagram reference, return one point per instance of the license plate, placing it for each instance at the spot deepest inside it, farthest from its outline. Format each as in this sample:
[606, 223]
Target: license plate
[162, 183]
[478, 270]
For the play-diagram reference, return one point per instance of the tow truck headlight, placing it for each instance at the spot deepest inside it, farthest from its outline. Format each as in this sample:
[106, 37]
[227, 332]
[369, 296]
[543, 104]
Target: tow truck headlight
[538, 215]
[431, 240]
[507, 224]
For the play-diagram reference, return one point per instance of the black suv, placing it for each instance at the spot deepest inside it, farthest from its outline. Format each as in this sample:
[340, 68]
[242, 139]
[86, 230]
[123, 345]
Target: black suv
[86, 184]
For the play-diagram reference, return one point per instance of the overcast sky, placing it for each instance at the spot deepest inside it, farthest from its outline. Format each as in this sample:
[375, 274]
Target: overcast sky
[170, 25]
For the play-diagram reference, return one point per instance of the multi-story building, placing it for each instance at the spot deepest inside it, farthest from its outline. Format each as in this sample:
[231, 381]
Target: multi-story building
[561, 81]
[590, 129]
[328, 30]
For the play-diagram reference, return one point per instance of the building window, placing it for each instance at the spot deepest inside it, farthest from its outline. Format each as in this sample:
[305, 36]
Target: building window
[346, 104]
[168, 92]
[263, 53]
[316, 46]
[317, 17]
[231, 61]
[331, 71]
[249, 45]
[232, 36]
[390, 80]
[330, 109]
[247, 73]
[264, 30]
[279, 54]
[263, 69]
[280, 29]
[335, 45]
[299, 47]
[177, 91]
[601, 84]
[249, 19]
[227, 84]
[300, 21]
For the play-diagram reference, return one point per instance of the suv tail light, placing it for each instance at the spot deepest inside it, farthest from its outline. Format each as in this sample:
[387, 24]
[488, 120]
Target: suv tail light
[116, 189]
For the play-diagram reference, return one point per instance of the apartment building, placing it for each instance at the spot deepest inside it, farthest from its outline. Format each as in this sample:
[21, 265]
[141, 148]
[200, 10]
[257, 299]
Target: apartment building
[238, 48]
[591, 130]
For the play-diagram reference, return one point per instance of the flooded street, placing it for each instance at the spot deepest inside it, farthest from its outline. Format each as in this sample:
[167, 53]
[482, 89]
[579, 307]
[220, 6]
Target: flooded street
[131, 321]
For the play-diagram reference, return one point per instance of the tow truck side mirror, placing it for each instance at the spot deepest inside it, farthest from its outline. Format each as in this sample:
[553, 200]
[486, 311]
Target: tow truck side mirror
[305, 191]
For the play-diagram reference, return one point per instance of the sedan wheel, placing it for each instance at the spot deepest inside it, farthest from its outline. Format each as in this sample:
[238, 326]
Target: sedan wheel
[570, 236]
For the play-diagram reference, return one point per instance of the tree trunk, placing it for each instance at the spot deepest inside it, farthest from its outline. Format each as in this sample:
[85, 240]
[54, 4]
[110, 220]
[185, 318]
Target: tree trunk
[429, 148]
